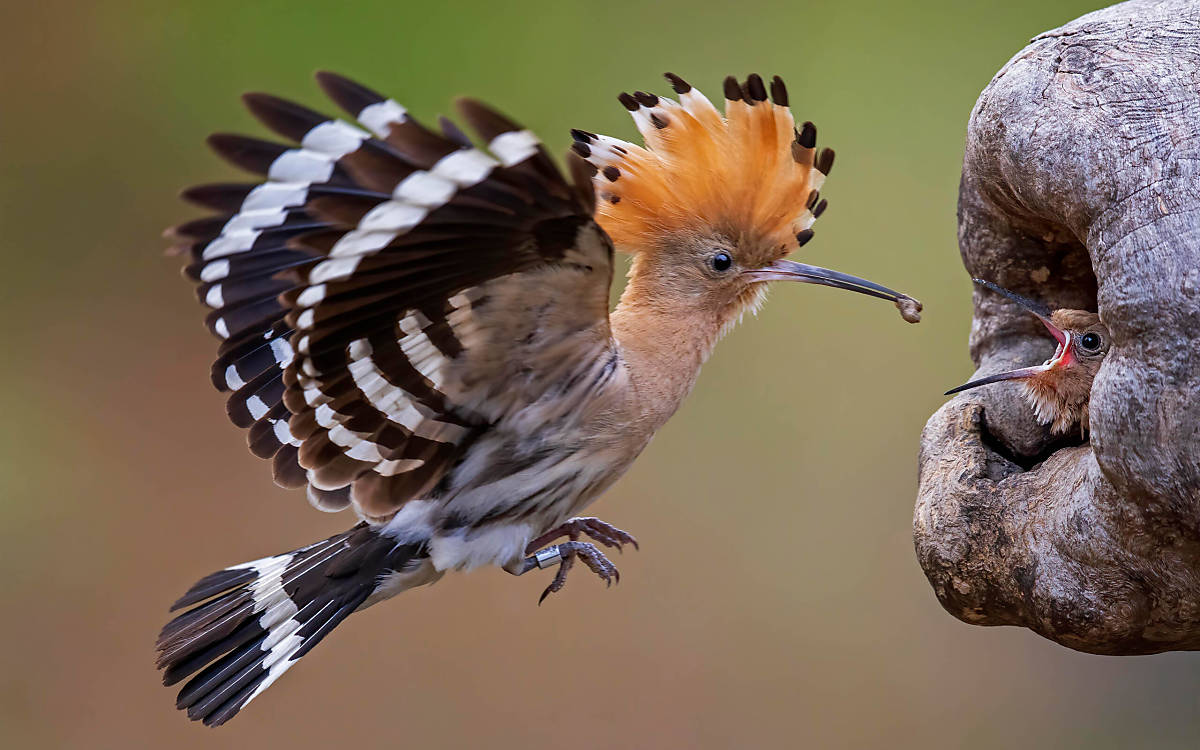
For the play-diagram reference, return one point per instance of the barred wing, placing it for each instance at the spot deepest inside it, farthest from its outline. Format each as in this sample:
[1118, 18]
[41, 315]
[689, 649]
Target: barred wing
[386, 297]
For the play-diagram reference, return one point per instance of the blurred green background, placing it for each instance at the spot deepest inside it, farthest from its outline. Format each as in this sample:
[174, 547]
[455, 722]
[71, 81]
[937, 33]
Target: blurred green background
[776, 600]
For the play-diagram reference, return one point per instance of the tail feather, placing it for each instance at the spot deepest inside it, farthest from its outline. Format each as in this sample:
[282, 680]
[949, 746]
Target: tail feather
[248, 624]
[211, 585]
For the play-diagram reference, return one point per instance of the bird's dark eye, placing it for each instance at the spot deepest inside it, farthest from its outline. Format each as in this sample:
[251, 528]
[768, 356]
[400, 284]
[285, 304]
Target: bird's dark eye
[1090, 341]
[721, 261]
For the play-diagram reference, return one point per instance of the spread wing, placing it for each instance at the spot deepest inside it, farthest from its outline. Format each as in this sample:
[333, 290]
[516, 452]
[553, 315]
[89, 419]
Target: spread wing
[390, 293]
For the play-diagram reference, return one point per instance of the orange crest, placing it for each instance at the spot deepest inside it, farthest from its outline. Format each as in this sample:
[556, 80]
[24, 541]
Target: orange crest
[750, 173]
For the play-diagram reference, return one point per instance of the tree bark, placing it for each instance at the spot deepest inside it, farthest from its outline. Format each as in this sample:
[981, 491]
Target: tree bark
[1080, 188]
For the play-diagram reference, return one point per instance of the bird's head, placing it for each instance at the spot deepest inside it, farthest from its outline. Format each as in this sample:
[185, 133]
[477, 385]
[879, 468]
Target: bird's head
[714, 202]
[1060, 388]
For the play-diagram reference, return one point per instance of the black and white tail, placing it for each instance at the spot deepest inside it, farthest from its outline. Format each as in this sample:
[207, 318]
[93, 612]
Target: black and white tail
[251, 622]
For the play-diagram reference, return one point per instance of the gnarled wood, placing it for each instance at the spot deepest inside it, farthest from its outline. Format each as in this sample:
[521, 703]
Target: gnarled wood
[1080, 188]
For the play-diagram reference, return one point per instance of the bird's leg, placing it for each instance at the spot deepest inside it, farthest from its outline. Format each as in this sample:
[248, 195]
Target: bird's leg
[606, 534]
[541, 556]
[564, 555]
[560, 577]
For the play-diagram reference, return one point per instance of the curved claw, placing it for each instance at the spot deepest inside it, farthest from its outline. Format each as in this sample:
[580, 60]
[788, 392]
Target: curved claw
[560, 576]
[605, 533]
[598, 563]
[591, 556]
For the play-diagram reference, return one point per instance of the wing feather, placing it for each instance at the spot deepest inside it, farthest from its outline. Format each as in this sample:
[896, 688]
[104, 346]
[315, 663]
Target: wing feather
[376, 295]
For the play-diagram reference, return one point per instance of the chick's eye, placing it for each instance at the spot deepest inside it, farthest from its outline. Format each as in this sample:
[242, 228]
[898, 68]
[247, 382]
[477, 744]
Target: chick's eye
[721, 261]
[1090, 341]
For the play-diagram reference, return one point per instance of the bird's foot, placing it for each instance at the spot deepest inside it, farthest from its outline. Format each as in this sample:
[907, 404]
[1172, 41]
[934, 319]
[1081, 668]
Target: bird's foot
[594, 528]
[591, 556]
[564, 555]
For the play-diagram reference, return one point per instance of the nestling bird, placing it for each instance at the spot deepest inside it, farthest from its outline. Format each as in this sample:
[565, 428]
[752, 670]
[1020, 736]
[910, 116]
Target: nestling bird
[1059, 389]
[418, 328]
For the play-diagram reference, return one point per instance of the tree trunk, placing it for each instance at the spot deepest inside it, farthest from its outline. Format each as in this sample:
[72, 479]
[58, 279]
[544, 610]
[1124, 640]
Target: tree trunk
[1080, 188]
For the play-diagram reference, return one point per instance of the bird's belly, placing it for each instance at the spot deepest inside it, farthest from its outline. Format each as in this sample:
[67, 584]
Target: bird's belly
[507, 513]
[506, 491]
[496, 544]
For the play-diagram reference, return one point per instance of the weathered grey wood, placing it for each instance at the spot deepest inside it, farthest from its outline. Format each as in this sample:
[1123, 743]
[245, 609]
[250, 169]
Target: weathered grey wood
[1081, 188]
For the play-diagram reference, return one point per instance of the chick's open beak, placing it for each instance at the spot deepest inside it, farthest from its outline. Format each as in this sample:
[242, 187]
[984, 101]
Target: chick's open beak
[790, 270]
[1063, 355]
[1024, 372]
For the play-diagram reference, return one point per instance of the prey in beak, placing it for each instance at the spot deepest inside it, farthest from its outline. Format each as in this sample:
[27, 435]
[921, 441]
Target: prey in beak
[1059, 389]
[790, 270]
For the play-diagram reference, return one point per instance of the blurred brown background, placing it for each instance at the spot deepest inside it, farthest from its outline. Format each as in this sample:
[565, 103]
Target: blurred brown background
[776, 600]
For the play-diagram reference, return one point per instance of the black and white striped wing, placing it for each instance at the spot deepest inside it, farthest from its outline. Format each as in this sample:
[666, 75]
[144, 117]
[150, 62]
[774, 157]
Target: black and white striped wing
[378, 295]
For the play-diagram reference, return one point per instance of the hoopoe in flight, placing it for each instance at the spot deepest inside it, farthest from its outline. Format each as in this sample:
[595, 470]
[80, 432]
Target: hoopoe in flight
[418, 328]
[1059, 389]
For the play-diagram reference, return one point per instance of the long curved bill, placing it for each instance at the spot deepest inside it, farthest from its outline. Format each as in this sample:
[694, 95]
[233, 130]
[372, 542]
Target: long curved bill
[1024, 372]
[1063, 355]
[790, 270]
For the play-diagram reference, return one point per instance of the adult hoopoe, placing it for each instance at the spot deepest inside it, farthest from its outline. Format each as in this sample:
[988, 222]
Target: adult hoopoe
[419, 329]
[1059, 389]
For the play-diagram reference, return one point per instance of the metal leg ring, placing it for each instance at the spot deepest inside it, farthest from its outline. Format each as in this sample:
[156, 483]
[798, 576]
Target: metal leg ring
[548, 557]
